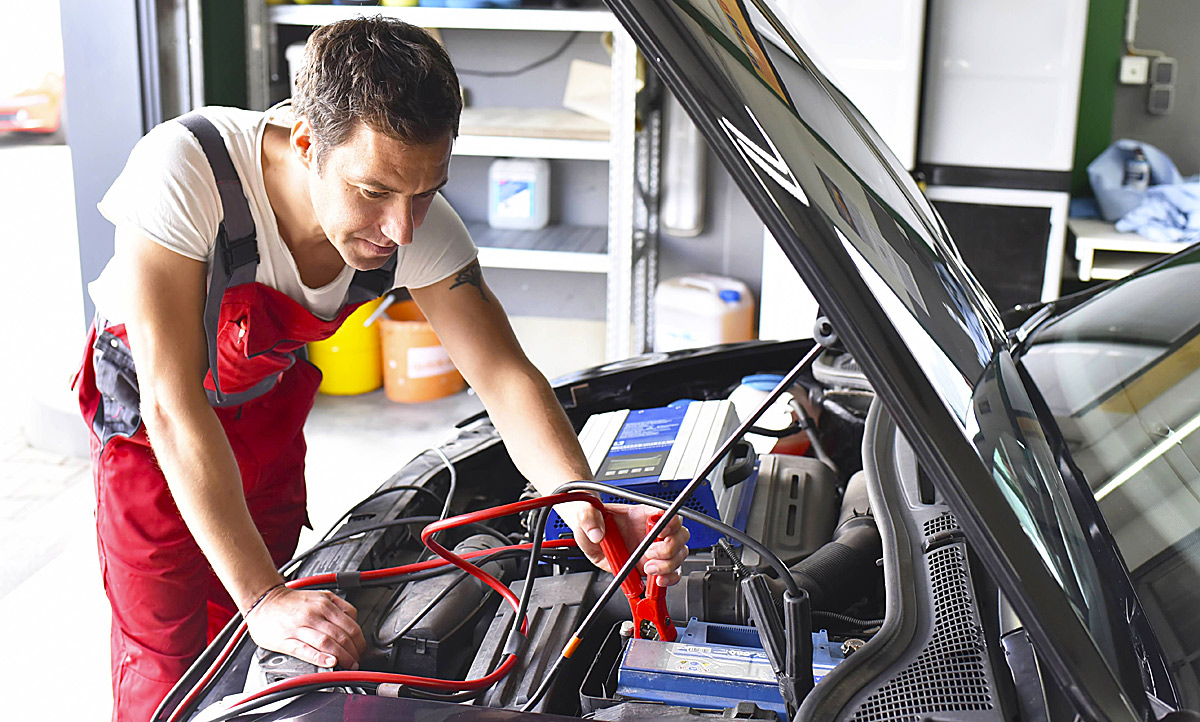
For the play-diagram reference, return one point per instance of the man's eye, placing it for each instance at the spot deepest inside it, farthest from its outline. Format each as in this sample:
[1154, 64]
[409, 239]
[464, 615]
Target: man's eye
[373, 194]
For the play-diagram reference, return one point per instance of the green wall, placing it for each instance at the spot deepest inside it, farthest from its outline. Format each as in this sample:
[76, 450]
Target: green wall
[1101, 61]
[224, 32]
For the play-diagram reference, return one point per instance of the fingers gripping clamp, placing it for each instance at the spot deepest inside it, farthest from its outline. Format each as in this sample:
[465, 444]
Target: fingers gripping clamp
[649, 606]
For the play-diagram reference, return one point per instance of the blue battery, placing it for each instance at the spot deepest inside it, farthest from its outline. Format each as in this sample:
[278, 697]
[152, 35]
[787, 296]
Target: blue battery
[711, 666]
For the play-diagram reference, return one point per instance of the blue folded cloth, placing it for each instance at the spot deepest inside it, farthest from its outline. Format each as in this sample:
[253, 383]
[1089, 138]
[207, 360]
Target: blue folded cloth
[1084, 208]
[1168, 213]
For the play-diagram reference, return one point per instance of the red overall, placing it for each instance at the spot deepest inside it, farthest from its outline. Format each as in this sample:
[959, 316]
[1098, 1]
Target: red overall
[167, 604]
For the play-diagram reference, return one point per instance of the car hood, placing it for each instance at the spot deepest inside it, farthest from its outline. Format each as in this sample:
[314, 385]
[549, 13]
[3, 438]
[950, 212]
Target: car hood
[879, 261]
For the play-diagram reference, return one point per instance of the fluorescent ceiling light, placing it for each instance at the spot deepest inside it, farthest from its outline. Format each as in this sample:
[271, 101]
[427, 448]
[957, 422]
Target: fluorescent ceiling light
[1173, 438]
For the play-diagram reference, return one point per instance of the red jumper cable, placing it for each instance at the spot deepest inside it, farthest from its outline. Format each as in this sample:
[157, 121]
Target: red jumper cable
[346, 678]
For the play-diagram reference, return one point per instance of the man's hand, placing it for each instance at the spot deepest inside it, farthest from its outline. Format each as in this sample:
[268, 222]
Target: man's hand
[664, 556]
[315, 627]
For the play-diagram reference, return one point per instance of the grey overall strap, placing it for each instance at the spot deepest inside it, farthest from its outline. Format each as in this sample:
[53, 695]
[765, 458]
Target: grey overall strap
[370, 285]
[235, 259]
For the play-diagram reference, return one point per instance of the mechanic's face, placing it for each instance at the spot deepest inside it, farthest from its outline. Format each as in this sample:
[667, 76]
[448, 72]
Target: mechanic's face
[372, 191]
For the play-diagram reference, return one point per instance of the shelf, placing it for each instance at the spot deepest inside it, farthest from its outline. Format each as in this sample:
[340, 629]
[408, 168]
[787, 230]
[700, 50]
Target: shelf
[494, 146]
[1112, 267]
[532, 133]
[629, 151]
[581, 249]
[1106, 254]
[600, 20]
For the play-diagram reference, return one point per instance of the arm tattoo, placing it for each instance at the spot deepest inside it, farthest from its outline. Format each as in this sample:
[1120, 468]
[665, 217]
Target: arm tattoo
[471, 276]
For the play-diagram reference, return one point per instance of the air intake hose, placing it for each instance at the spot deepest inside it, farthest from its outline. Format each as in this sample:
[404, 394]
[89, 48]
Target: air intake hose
[835, 576]
[843, 570]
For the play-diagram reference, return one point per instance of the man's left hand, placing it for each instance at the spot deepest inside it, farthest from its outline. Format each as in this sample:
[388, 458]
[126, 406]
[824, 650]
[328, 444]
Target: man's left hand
[664, 556]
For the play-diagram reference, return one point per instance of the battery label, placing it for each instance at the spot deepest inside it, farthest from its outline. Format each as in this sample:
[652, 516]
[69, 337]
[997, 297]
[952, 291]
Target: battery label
[736, 663]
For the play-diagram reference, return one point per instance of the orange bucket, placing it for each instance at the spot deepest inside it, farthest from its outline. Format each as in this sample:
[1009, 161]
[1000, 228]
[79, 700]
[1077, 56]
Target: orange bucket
[415, 366]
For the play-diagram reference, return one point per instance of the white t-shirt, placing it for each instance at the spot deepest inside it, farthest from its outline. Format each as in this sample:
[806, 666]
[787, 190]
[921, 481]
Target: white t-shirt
[167, 192]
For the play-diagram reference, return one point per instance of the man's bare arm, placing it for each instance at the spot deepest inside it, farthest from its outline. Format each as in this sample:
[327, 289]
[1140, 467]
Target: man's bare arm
[167, 338]
[475, 331]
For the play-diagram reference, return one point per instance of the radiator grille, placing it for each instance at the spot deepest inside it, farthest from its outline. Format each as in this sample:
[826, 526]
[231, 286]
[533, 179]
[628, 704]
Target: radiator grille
[949, 676]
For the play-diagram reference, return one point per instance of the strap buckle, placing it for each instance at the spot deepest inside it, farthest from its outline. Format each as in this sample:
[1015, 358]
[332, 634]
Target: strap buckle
[239, 252]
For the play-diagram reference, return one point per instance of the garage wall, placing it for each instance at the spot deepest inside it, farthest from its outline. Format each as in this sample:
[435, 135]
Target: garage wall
[1109, 110]
[104, 113]
[224, 55]
[1102, 53]
[731, 244]
[1169, 26]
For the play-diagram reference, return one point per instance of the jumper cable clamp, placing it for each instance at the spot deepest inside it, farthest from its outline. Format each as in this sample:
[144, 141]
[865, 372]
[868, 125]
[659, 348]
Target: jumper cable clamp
[649, 606]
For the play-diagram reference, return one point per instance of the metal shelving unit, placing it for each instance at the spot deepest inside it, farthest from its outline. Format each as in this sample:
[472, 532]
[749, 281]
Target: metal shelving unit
[626, 251]
[557, 248]
[453, 18]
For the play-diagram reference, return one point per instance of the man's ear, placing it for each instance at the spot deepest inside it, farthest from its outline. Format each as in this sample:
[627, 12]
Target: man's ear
[302, 142]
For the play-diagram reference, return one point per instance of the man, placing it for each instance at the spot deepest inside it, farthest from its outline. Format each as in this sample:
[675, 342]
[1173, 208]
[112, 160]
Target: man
[237, 241]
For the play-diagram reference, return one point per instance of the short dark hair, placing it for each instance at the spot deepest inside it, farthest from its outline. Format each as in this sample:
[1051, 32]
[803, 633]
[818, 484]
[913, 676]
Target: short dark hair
[392, 76]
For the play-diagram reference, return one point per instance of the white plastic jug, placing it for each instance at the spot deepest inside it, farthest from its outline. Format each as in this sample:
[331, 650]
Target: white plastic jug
[747, 397]
[519, 193]
[700, 310]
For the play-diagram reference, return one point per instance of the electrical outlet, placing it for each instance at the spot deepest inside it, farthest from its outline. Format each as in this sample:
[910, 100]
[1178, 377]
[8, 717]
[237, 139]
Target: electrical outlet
[1162, 71]
[1161, 99]
[1135, 70]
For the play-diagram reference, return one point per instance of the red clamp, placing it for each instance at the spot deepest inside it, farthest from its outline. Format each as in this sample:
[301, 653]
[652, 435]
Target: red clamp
[650, 618]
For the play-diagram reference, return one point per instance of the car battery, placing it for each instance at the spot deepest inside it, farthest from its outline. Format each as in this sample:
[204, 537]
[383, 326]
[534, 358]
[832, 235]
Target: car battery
[656, 452]
[711, 666]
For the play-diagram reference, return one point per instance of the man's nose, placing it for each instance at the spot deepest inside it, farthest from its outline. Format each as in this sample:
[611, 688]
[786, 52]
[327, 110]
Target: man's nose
[397, 223]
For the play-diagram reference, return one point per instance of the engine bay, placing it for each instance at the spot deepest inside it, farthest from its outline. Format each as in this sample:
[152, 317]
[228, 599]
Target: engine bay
[745, 644]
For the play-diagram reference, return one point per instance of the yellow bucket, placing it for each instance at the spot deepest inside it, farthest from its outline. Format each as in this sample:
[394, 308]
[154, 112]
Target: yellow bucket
[351, 359]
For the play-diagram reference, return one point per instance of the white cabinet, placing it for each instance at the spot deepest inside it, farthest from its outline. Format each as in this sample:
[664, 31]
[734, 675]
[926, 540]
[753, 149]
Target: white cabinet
[625, 248]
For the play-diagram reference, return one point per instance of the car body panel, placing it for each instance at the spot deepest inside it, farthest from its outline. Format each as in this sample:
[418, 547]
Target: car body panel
[1118, 374]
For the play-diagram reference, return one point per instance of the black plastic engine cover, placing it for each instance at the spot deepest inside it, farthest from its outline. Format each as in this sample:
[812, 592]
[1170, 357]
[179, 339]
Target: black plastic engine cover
[556, 607]
[437, 645]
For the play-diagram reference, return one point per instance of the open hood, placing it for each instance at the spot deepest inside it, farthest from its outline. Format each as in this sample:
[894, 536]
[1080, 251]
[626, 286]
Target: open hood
[879, 261]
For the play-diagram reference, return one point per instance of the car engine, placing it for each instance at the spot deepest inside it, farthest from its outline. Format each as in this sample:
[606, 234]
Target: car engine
[815, 513]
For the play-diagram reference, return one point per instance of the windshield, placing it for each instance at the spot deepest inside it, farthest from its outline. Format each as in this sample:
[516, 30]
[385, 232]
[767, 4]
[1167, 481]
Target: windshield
[1122, 376]
[879, 261]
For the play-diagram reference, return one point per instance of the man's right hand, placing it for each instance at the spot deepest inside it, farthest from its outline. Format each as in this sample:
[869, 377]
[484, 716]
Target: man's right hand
[316, 627]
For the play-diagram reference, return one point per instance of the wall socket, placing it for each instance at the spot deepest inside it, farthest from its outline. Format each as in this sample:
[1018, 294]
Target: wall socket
[1161, 99]
[1135, 70]
[1163, 71]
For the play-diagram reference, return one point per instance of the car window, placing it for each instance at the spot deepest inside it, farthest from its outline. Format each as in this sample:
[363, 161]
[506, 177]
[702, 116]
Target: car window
[1121, 374]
